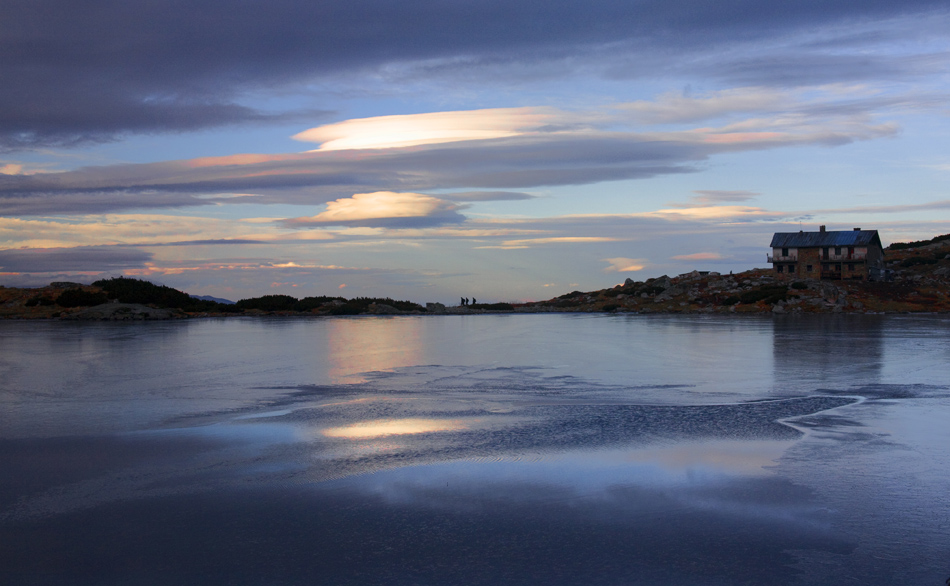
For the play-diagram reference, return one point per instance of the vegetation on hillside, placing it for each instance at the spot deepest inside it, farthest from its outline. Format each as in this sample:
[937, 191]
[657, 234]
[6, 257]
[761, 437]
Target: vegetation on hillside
[918, 243]
[128, 290]
[80, 298]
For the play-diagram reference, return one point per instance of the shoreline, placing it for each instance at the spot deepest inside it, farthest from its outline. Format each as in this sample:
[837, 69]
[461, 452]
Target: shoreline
[920, 285]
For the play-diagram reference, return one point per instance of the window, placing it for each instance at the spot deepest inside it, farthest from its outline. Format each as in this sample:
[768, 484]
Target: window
[850, 266]
[784, 252]
[825, 266]
[778, 268]
[837, 250]
[824, 252]
[808, 268]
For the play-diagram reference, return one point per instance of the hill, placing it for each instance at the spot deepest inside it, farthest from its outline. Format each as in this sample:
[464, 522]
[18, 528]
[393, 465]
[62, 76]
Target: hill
[921, 283]
[920, 271]
[141, 299]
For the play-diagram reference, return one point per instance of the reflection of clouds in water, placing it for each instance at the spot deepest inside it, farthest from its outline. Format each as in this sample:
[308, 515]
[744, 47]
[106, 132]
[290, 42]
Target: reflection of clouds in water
[736, 457]
[370, 429]
[361, 345]
[643, 486]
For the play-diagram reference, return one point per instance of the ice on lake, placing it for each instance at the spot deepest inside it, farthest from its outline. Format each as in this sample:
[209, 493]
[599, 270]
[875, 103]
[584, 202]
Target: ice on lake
[504, 449]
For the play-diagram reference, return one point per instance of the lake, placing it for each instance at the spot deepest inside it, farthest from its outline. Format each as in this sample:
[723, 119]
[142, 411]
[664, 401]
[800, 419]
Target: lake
[487, 449]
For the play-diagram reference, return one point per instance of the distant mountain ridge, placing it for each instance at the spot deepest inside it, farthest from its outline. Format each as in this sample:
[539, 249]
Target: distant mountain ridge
[215, 299]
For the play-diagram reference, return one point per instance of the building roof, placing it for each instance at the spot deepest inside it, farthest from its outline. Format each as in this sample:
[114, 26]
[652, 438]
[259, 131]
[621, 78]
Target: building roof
[816, 239]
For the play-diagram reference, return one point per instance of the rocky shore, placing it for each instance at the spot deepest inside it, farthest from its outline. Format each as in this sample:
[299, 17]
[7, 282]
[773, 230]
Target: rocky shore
[920, 282]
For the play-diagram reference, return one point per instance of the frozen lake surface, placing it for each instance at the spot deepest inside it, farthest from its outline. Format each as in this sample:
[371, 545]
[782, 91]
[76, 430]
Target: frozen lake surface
[495, 449]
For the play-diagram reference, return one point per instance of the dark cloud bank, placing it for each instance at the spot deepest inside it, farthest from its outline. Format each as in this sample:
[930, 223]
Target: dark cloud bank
[69, 260]
[92, 71]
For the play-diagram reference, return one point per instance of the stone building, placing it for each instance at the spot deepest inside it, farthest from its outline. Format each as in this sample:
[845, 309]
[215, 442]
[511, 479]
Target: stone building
[847, 254]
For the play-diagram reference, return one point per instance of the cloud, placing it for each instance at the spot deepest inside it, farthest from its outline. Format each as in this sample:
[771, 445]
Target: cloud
[546, 156]
[532, 242]
[40, 204]
[699, 256]
[714, 213]
[884, 209]
[87, 72]
[486, 196]
[679, 108]
[132, 230]
[384, 208]
[72, 260]
[212, 242]
[624, 265]
[712, 196]
[430, 128]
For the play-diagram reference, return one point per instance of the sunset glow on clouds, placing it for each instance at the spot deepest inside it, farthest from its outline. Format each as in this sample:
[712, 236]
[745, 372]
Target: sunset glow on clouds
[479, 154]
[430, 128]
[699, 256]
[625, 265]
[386, 208]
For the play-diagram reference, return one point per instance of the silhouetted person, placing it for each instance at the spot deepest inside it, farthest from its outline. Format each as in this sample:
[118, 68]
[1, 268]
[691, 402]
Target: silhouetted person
[462, 302]
[473, 301]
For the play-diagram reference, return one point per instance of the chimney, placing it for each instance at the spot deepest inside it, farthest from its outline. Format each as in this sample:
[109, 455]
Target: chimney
[821, 228]
[857, 229]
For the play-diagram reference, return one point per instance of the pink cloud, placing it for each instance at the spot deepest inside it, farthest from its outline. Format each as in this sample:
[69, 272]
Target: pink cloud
[699, 256]
[429, 128]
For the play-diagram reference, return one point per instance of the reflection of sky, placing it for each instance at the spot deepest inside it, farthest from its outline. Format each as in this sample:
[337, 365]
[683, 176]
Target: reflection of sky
[532, 426]
[673, 464]
[370, 429]
[697, 475]
[363, 345]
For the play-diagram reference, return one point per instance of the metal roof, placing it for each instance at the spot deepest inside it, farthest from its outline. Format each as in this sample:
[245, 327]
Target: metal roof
[817, 239]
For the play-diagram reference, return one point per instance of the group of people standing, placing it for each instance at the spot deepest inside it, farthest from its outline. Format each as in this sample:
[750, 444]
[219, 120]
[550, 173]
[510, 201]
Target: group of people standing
[465, 301]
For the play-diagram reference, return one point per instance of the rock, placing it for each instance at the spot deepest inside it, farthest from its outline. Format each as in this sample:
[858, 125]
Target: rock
[692, 275]
[382, 309]
[65, 285]
[123, 312]
[670, 292]
[628, 282]
[663, 282]
[778, 308]
[435, 307]
[828, 292]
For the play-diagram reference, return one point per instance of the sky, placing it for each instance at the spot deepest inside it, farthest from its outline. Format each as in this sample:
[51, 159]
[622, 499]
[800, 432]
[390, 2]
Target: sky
[429, 150]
